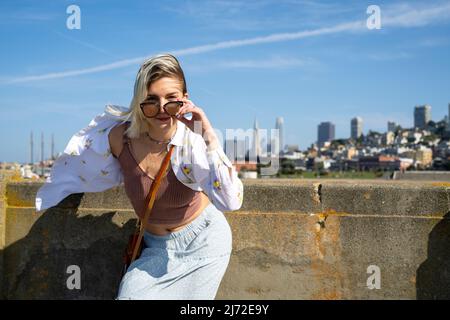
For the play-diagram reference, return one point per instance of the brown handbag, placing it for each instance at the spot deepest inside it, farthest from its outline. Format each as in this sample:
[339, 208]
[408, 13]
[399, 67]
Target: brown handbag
[135, 243]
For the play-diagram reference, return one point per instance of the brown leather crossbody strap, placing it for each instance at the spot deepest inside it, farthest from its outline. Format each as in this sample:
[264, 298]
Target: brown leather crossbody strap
[150, 200]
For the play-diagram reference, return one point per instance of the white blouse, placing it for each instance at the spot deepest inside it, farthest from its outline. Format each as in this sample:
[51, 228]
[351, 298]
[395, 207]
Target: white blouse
[87, 165]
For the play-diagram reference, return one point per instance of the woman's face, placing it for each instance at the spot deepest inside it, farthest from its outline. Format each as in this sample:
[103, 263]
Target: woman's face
[164, 90]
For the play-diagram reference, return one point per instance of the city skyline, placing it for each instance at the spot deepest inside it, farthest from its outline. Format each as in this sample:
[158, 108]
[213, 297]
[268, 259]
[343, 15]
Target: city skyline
[422, 115]
[304, 61]
[356, 126]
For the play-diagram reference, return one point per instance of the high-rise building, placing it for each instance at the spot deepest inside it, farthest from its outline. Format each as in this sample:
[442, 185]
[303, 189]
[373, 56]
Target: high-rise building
[53, 147]
[279, 125]
[356, 127]
[31, 148]
[422, 114]
[236, 149]
[325, 132]
[391, 126]
[256, 140]
[448, 118]
[42, 153]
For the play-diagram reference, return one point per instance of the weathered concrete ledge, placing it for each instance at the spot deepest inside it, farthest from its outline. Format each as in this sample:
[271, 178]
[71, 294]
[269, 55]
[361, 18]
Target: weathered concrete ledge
[422, 175]
[292, 239]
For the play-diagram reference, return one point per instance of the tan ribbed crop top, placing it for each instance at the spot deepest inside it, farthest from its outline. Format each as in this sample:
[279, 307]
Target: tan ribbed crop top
[174, 201]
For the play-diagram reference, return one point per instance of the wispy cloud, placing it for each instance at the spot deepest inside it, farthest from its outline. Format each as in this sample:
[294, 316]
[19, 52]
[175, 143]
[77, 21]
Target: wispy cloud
[405, 15]
[434, 42]
[26, 16]
[85, 44]
[398, 16]
[279, 37]
[389, 56]
[29, 16]
[66, 74]
[273, 62]
[251, 15]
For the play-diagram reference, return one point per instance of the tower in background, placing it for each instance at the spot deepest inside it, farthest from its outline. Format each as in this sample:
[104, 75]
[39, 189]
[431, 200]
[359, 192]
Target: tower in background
[422, 114]
[53, 147]
[279, 125]
[325, 133]
[31, 148]
[391, 126]
[356, 127]
[256, 141]
[42, 153]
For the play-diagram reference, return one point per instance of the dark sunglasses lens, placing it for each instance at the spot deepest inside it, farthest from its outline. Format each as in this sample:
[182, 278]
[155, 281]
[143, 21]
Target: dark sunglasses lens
[150, 109]
[172, 108]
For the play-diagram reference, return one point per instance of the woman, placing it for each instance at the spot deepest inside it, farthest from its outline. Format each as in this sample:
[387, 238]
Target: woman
[187, 242]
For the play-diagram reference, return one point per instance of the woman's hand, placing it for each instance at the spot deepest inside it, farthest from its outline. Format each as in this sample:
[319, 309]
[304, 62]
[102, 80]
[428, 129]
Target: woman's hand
[199, 123]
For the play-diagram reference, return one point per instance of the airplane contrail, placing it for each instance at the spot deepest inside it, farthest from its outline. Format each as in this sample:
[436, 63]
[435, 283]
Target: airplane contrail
[411, 17]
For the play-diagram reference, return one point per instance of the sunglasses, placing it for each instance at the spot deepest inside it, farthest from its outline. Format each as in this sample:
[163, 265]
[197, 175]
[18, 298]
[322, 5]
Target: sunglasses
[151, 108]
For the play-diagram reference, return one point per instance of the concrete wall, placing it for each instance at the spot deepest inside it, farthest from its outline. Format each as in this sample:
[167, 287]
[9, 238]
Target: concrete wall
[292, 239]
[422, 175]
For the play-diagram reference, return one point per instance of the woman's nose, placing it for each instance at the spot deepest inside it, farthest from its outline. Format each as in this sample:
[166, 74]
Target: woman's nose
[162, 102]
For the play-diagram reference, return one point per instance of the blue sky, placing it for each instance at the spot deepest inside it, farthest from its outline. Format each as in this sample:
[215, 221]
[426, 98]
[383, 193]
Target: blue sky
[307, 61]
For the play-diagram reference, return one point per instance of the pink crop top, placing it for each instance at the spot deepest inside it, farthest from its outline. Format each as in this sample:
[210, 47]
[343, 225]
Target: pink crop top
[174, 201]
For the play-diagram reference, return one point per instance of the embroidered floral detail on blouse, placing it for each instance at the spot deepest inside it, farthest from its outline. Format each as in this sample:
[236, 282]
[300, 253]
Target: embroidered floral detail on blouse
[88, 143]
[240, 197]
[84, 162]
[186, 169]
[73, 153]
[102, 130]
[65, 163]
[104, 172]
[82, 132]
[216, 184]
[82, 179]
[221, 156]
[107, 153]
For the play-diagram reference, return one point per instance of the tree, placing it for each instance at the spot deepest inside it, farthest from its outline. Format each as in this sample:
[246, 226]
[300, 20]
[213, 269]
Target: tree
[287, 166]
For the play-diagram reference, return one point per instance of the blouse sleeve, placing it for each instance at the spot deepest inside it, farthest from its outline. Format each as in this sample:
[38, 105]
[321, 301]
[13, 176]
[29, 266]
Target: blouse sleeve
[86, 165]
[217, 176]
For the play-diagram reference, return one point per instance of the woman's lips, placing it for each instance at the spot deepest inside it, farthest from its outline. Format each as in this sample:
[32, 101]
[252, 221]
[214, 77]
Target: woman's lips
[166, 119]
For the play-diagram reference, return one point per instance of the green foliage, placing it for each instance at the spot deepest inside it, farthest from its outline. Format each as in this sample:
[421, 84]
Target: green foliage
[287, 166]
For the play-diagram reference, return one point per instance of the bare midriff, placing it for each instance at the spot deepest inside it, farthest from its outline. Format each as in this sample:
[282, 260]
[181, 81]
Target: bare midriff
[164, 229]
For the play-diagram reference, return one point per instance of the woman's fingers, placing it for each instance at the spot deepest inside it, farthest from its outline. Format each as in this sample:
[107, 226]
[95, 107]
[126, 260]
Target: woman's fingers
[182, 111]
[187, 109]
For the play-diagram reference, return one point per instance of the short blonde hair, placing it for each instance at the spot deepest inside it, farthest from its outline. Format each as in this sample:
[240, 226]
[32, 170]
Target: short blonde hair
[155, 68]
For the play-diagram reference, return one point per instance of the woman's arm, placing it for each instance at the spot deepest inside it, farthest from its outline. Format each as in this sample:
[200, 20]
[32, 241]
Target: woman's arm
[115, 138]
[213, 171]
[86, 165]
[211, 167]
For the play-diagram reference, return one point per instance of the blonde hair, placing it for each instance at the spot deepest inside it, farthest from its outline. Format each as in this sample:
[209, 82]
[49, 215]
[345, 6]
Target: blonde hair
[155, 68]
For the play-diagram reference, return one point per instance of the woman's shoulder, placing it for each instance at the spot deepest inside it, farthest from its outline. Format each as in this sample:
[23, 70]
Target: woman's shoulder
[115, 138]
[118, 130]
